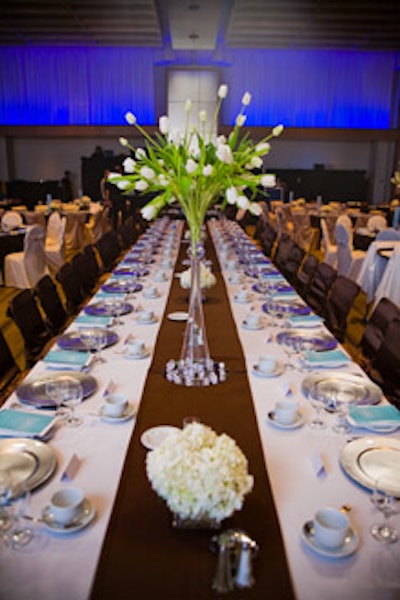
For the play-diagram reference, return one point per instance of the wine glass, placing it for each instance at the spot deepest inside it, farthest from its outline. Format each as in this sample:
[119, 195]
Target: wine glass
[54, 391]
[339, 402]
[317, 402]
[386, 504]
[23, 531]
[6, 519]
[72, 396]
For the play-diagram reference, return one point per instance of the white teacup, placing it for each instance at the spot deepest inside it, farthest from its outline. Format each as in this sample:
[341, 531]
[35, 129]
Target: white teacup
[146, 316]
[236, 278]
[286, 411]
[330, 527]
[253, 320]
[66, 504]
[159, 276]
[166, 263]
[135, 347]
[230, 264]
[243, 295]
[115, 405]
[150, 292]
[267, 364]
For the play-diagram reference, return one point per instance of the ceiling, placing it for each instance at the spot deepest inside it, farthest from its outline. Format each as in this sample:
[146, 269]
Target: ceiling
[204, 24]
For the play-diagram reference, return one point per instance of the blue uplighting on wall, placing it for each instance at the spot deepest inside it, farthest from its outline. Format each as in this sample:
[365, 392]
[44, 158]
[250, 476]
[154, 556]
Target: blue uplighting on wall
[45, 85]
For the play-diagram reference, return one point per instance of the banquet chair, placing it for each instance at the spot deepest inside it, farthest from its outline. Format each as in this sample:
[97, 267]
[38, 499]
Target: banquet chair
[376, 223]
[385, 366]
[11, 220]
[388, 234]
[127, 234]
[268, 240]
[293, 262]
[319, 287]
[109, 249]
[47, 294]
[339, 302]
[25, 313]
[24, 269]
[33, 217]
[346, 222]
[97, 225]
[9, 370]
[81, 264]
[92, 261]
[283, 225]
[330, 250]
[55, 242]
[72, 288]
[383, 314]
[305, 274]
[283, 249]
[349, 260]
[303, 233]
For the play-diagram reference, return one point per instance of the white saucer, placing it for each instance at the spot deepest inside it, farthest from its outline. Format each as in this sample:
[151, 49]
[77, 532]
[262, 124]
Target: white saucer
[128, 413]
[153, 437]
[82, 520]
[298, 422]
[152, 297]
[178, 316]
[147, 322]
[349, 546]
[279, 368]
[242, 300]
[131, 356]
[245, 325]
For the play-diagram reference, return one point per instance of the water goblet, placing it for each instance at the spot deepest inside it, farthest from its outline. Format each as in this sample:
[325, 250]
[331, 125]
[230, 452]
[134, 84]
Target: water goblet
[317, 402]
[72, 396]
[54, 391]
[339, 401]
[6, 519]
[100, 342]
[385, 503]
[23, 531]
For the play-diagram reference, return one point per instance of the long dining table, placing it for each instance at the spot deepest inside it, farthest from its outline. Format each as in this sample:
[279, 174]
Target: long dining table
[131, 548]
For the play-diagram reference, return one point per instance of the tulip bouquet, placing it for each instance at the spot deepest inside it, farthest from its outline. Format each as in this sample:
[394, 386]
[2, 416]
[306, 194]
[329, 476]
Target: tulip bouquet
[196, 167]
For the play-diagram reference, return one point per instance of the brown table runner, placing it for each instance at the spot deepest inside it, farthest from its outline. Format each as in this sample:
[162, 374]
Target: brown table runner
[143, 556]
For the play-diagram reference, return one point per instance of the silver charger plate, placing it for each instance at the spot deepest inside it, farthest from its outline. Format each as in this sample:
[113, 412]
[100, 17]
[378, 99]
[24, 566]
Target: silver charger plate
[319, 340]
[368, 460]
[73, 339]
[31, 462]
[355, 389]
[32, 391]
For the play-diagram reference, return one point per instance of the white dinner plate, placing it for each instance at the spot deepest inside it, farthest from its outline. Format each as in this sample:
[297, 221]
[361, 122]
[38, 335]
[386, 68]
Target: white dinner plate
[179, 315]
[85, 517]
[153, 437]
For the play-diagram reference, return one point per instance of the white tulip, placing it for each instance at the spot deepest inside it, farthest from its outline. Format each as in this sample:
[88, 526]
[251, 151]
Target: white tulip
[263, 147]
[207, 170]
[188, 105]
[191, 165]
[224, 154]
[147, 173]
[203, 116]
[246, 99]
[268, 180]
[240, 120]
[162, 180]
[277, 130]
[175, 137]
[222, 91]
[163, 124]
[255, 209]
[141, 185]
[129, 165]
[221, 139]
[231, 195]
[123, 141]
[140, 153]
[148, 212]
[123, 184]
[130, 118]
[243, 202]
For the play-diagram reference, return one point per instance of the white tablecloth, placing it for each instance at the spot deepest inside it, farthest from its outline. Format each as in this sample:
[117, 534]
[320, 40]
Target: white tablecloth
[373, 267]
[63, 567]
[389, 285]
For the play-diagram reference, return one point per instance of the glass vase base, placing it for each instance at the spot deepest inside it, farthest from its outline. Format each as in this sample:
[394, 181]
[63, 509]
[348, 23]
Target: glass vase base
[187, 523]
[195, 374]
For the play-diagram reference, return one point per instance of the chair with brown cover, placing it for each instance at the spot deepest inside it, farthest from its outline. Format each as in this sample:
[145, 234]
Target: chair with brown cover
[47, 294]
[305, 274]
[9, 369]
[385, 369]
[293, 261]
[72, 287]
[320, 286]
[383, 314]
[109, 248]
[339, 302]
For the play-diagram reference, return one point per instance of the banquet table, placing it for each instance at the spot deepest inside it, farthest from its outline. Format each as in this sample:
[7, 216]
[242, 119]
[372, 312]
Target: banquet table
[131, 547]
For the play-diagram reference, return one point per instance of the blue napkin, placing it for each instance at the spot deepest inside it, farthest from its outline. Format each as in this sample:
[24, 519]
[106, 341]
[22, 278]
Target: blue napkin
[375, 416]
[330, 358]
[95, 320]
[305, 320]
[284, 295]
[67, 359]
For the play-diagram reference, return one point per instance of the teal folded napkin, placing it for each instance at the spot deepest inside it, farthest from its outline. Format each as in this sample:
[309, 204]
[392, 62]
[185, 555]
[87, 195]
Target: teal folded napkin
[330, 358]
[284, 295]
[67, 359]
[101, 295]
[19, 423]
[95, 320]
[376, 416]
[305, 320]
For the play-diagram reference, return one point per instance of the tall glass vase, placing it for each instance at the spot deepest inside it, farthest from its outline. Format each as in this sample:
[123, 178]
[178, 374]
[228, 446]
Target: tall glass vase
[195, 367]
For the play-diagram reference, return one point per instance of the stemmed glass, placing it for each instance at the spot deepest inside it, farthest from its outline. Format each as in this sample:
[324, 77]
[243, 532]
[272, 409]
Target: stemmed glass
[339, 403]
[54, 391]
[95, 339]
[317, 401]
[385, 503]
[6, 519]
[22, 532]
[72, 396]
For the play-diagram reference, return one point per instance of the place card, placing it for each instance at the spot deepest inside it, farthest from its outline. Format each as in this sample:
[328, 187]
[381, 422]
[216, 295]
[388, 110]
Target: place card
[318, 463]
[71, 468]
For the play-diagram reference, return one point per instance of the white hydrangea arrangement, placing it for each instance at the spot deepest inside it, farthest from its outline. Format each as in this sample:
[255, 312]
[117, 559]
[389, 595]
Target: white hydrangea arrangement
[196, 167]
[207, 278]
[200, 475]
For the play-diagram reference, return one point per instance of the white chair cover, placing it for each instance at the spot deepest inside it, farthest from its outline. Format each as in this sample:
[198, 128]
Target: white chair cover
[11, 220]
[75, 230]
[388, 234]
[349, 260]
[389, 286]
[55, 242]
[376, 223]
[330, 250]
[346, 221]
[97, 225]
[24, 269]
[33, 217]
